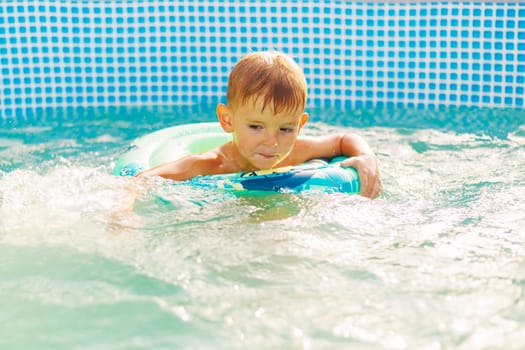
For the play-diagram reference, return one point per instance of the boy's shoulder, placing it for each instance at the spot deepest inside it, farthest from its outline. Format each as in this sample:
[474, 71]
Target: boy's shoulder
[310, 147]
[215, 161]
[312, 141]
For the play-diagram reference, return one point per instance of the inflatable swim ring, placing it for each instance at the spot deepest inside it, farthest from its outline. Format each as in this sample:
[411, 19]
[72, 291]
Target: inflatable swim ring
[175, 142]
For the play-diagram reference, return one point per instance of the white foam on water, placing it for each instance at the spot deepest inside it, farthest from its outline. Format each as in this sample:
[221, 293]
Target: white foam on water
[435, 262]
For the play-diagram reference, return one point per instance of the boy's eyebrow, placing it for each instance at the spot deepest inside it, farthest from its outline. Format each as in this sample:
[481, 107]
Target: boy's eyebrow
[292, 123]
[254, 120]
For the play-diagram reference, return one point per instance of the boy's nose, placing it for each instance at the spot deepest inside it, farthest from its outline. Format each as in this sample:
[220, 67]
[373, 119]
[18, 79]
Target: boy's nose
[271, 139]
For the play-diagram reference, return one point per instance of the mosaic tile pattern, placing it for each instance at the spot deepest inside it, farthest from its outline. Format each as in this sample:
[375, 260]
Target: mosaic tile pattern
[145, 53]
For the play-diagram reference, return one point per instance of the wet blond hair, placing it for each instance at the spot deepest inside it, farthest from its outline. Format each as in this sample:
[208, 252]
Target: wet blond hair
[271, 75]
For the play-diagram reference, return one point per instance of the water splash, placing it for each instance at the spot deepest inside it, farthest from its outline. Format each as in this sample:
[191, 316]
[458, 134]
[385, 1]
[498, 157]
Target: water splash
[435, 262]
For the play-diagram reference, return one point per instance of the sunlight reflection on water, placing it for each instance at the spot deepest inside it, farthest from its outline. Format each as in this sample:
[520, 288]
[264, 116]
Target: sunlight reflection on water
[436, 262]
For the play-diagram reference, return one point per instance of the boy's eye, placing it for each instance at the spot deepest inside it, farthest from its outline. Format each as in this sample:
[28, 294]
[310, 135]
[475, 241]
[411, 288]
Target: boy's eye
[287, 130]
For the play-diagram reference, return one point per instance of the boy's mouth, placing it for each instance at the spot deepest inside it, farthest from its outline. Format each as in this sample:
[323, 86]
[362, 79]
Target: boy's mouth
[268, 155]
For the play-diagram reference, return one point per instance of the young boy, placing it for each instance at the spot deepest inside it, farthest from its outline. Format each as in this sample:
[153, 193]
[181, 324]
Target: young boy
[266, 99]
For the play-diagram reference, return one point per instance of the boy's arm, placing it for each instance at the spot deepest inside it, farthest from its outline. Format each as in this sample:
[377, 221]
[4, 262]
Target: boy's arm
[179, 170]
[361, 157]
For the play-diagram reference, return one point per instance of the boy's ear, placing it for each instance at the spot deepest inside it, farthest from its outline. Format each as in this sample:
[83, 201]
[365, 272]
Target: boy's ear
[304, 119]
[225, 118]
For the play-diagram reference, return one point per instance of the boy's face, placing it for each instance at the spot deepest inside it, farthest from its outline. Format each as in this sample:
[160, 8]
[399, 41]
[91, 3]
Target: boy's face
[262, 139]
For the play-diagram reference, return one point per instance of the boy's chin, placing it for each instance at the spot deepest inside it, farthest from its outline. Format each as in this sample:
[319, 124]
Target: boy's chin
[263, 164]
[266, 165]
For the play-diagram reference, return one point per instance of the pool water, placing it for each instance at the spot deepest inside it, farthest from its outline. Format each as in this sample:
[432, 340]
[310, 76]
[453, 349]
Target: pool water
[437, 262]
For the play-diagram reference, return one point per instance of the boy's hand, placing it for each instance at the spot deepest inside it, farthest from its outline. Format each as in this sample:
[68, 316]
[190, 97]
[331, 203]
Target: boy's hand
[368, 169]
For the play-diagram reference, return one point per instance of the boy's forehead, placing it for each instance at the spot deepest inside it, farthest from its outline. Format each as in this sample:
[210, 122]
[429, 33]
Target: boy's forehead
[261, 104]
[255, 112]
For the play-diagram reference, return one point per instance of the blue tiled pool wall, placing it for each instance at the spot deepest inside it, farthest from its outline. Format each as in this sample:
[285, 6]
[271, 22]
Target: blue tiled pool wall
[56, 54]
